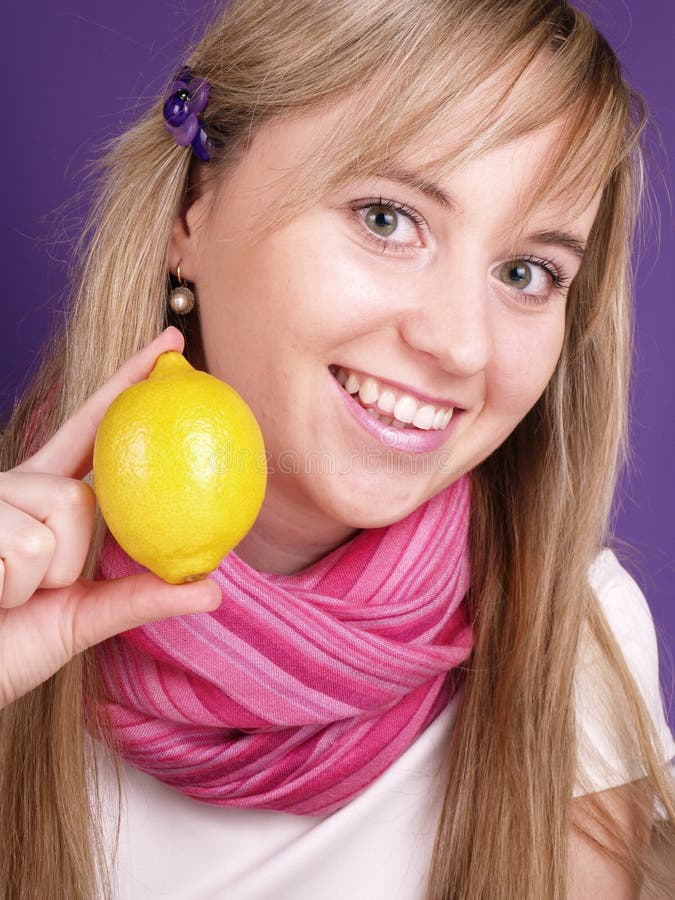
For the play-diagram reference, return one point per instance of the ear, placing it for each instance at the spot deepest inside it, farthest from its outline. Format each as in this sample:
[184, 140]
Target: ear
[186, 232]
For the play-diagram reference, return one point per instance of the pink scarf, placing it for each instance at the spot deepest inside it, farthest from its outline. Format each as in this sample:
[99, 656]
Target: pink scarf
[299, 690]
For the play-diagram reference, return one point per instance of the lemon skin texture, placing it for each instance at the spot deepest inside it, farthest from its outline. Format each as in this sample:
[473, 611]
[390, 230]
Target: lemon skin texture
[179, 470]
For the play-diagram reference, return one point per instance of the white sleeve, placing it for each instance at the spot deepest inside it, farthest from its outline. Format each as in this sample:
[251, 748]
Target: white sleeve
[603, 738]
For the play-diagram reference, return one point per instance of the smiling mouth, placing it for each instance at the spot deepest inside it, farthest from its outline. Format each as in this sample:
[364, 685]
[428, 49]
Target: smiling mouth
[392, 408]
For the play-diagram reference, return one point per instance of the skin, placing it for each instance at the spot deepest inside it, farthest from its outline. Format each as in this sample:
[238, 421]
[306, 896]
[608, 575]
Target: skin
[437, 316]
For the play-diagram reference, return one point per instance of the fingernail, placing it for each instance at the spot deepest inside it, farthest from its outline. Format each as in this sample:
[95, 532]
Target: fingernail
[172, 328]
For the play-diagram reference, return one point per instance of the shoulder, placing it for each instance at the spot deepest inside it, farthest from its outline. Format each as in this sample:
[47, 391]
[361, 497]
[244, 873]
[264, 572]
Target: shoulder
[604, 757]
[626, 610]
[628, 615]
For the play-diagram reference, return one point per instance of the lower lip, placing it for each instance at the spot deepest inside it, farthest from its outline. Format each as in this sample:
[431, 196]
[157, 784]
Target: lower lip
[408, 440]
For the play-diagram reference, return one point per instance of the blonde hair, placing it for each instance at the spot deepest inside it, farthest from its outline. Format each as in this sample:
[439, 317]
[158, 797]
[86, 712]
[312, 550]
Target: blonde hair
[542, 502]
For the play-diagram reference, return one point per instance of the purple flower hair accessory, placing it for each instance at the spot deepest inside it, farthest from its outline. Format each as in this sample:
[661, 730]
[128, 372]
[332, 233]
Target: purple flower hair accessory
[187, 97]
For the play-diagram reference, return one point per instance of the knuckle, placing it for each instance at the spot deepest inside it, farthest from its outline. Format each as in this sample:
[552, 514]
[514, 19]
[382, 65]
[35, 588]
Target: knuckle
[75, 623]
[138, 600]
[71, 641]
[34, 540]
[75, 493]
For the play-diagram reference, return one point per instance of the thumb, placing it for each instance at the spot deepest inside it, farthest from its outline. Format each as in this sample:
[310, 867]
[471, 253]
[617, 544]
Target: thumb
[102, 609]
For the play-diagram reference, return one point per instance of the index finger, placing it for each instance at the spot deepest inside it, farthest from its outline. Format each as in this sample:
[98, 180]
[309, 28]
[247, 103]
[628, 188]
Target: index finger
[69, 451]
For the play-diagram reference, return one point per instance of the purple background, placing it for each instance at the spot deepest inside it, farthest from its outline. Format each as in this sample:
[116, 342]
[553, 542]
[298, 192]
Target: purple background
[75, 73]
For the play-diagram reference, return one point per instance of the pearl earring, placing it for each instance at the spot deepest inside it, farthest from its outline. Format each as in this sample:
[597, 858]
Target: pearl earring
[181, 299]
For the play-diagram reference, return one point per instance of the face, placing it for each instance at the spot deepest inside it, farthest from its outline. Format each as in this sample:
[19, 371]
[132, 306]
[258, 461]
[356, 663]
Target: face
[421, 296]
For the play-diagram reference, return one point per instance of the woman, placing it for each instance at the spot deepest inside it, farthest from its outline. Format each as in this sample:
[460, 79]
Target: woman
[424, 207]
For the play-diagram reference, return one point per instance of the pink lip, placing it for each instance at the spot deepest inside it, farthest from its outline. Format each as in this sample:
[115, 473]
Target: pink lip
[410, 440]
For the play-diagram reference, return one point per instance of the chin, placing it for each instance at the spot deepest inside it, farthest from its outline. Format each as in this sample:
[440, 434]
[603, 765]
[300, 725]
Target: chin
[382, 511]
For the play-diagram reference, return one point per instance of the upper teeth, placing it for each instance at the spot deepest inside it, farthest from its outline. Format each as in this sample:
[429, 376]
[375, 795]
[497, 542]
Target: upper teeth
[399, 405]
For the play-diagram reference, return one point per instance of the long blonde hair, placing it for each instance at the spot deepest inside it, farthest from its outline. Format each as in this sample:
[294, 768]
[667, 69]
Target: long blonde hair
[541, 504]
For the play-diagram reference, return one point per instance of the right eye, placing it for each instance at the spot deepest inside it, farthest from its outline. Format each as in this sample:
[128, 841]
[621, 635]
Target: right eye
[384, 218]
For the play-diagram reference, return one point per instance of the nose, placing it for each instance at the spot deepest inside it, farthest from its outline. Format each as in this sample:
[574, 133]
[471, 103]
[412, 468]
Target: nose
[447, 318]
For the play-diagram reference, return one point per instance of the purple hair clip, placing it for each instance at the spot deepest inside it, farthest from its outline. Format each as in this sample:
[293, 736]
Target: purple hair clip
[187, 97]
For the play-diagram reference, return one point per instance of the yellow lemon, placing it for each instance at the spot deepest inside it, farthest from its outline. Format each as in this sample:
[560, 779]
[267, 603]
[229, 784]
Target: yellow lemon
[179, 470]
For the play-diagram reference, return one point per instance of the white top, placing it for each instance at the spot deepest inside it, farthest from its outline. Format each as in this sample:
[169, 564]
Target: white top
[379, 845]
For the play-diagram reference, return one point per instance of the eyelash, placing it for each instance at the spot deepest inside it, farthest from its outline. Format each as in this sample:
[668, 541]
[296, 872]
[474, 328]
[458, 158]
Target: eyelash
[559, 279]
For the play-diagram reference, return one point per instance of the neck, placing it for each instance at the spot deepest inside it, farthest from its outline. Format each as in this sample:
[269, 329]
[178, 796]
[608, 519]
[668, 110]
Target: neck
[275, 546]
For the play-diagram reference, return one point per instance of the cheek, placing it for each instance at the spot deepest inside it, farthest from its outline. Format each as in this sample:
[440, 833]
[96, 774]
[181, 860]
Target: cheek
[523, 363]
[317, 283]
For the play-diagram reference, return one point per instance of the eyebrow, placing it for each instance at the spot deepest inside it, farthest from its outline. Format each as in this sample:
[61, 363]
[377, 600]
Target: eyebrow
[435, 192]
[417, 182]
[559, 239]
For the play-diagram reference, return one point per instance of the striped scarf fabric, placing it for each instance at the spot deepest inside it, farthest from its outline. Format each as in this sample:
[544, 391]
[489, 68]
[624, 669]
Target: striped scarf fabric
[301, 689]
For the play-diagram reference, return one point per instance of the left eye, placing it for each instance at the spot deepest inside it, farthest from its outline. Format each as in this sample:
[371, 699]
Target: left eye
[525, 275]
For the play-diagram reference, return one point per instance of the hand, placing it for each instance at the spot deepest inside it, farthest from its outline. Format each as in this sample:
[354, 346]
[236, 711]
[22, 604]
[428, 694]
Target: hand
[48, 613]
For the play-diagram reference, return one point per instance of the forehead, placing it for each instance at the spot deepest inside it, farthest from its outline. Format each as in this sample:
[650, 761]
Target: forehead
[492, 128]
[284, 149]
[305, 154]
[510, 173]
